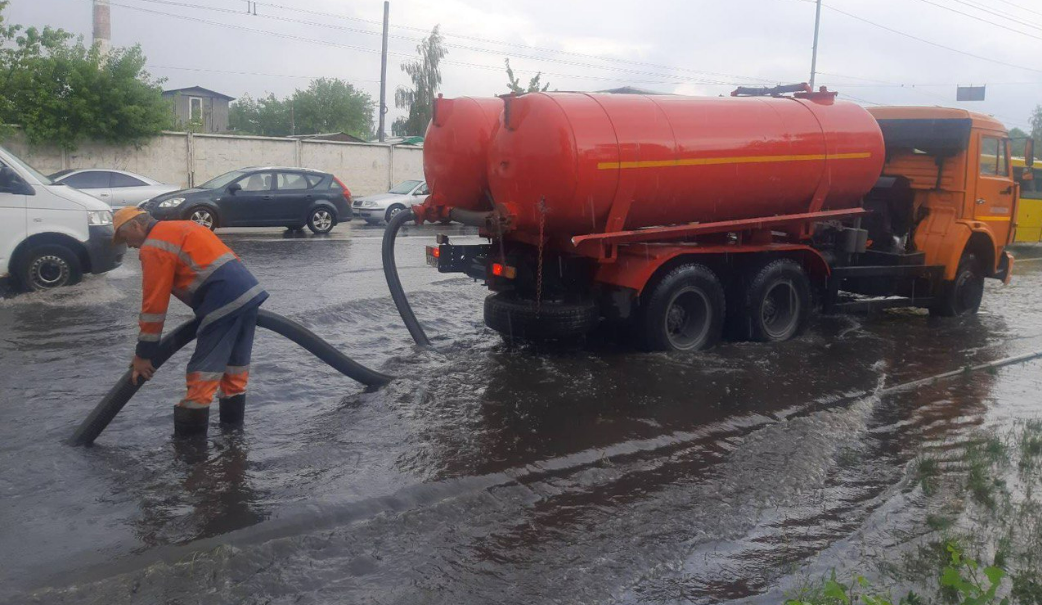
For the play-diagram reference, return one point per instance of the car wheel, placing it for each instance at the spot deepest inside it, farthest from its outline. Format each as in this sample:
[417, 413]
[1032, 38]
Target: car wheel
[321, 221]
[203, 216]
[49, 267]
[393, 210]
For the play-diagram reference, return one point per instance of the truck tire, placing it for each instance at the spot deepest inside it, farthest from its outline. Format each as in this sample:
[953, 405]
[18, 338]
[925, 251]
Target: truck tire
[683, 312]
[776, 303]
[49, 266]
[518, 319]
[963, 295]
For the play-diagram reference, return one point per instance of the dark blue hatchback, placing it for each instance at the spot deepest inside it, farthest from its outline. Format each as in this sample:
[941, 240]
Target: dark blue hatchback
[260, 197]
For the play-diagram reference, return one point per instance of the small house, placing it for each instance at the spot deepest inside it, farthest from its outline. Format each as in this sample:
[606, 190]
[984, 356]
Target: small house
[200, 109]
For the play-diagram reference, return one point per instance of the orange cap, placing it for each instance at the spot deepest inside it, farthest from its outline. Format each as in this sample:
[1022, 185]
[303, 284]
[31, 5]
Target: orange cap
[120, 218]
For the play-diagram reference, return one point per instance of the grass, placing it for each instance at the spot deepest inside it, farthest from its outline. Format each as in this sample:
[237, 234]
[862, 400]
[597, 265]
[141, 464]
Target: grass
[984, 509]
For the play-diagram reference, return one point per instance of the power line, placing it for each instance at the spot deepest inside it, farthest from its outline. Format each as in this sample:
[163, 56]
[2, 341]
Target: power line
[677, 80]
[516, 44]
[1023, 8]
[465, 47]
[986, 9]
[924, 41]
[673, 79]
[976, 18]
[248, 73]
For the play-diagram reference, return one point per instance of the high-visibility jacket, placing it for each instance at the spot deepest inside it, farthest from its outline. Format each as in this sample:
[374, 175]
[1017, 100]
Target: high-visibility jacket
[187, 260]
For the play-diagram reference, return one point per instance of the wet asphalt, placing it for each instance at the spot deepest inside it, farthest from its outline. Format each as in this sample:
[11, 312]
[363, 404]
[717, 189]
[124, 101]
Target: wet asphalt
[484, 473]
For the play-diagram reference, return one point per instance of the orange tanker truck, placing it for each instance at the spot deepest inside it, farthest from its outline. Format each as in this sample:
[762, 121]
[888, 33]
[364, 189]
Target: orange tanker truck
[680, 216]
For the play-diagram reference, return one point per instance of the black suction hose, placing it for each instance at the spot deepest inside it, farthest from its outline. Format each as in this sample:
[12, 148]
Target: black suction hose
[124, 389]
[394, 283]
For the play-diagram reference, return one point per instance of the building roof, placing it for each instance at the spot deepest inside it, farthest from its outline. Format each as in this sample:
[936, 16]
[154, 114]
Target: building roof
[197, 90]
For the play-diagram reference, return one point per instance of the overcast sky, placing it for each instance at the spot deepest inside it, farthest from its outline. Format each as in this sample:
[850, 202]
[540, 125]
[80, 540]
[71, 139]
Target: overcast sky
[700, 47]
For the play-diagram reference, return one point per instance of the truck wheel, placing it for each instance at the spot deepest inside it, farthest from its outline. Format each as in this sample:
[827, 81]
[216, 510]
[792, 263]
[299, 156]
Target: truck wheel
[776, 303]
[963, 295]
[684, 311]
[48, 267]
[519, 319]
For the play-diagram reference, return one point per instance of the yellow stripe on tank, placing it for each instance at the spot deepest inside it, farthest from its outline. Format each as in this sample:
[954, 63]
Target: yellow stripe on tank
[748, 159]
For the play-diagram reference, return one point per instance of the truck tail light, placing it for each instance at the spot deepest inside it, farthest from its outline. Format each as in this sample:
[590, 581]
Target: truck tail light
[501, 270]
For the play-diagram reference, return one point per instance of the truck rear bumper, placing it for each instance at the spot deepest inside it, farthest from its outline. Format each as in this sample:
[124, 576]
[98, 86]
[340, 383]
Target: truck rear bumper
[103, 254]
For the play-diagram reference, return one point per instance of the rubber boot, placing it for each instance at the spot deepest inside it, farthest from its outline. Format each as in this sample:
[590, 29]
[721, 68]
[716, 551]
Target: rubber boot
[233, 409]
[190, 421]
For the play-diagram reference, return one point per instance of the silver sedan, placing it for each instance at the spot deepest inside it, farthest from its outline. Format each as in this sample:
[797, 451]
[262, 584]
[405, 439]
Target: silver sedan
[117, 188]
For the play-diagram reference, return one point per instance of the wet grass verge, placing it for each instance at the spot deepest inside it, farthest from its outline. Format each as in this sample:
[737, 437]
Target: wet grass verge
[979, 534]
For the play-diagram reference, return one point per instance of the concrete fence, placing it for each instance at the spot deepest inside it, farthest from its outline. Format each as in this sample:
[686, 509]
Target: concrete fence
[187, 159]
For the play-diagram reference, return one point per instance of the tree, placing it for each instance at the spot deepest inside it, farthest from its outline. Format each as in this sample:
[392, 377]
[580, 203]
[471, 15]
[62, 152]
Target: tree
[426, 78]
[63, 92]
[327, 105]
[533, 84]
[1036, 127]
[332, 105]
[1018, 136]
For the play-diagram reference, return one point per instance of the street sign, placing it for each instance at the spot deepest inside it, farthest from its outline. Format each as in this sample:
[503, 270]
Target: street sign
[970, 93]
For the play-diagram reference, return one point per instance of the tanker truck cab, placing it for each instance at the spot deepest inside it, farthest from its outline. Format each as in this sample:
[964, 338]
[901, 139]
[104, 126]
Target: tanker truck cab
[681, 219]
[50, 234]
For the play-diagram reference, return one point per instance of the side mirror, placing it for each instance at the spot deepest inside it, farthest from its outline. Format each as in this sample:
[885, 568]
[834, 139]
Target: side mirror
[234, 187]
[7, 177]
[1029, 152]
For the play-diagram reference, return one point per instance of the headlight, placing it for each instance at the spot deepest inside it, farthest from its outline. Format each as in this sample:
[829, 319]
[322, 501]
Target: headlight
[99, 217]
[369, 204]
[172, 202]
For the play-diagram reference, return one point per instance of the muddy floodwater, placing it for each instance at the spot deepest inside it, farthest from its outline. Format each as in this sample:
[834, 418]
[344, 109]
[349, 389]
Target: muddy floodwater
[484, 473]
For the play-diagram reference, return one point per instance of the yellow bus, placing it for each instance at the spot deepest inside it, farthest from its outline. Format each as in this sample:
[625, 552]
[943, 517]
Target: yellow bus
[1029, 213]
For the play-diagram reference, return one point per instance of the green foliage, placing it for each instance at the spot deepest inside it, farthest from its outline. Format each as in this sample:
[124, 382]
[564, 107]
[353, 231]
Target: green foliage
[62, 92]
[1036, 128]
[533, 84]
[982, 480]
[962, 576]
[426, 79]
[326, 105]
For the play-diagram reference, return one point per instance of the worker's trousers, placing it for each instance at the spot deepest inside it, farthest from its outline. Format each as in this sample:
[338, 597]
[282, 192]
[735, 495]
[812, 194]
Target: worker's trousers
[221, 362]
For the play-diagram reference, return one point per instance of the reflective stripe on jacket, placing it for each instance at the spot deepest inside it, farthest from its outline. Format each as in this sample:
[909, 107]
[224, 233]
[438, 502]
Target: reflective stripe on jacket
[190, 262]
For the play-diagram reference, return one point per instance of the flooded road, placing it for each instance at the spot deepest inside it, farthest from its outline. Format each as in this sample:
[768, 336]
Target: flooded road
[484, 473]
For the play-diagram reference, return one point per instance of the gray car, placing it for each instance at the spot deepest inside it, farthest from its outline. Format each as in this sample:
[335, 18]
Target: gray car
[379, 208]
[117, 188]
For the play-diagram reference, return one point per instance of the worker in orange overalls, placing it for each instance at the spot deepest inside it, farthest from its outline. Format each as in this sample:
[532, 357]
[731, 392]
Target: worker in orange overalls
[190, 262]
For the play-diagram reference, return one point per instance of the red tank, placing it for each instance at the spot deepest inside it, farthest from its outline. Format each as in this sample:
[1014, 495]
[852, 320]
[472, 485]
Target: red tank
[674, 159]
[455, 152]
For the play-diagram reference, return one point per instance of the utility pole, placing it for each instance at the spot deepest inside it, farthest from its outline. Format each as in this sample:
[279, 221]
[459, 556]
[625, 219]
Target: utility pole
[814, 53]
[383, 73]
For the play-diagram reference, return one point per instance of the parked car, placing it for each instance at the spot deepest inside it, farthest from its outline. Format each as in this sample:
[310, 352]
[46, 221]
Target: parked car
[51, 234]
[270, 196]
[381, 207]
[117, 188]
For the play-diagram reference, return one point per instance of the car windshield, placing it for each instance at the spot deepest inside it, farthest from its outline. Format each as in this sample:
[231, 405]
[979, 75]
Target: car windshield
[404, 187]
[223, 180]
[39, 177]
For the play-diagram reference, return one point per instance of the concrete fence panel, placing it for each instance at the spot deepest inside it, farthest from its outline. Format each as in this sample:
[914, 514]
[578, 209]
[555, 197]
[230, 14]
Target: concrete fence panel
[365, 169]
[190, 159]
